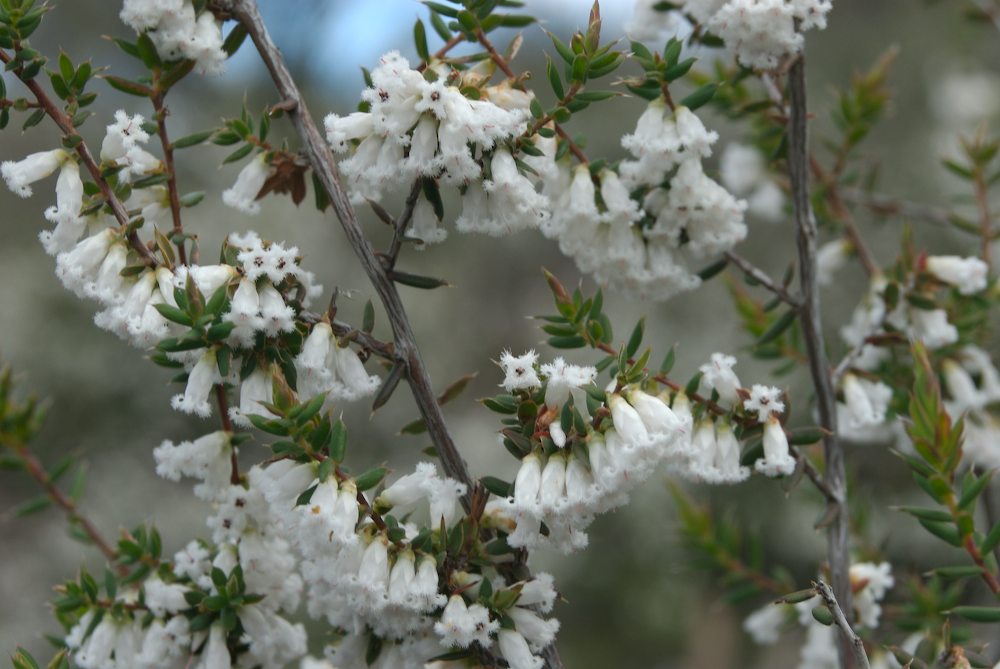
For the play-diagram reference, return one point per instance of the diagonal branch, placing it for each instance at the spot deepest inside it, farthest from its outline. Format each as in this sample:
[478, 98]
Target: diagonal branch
[66, 126]
[798, 168]
[322, 161]
[857, 645]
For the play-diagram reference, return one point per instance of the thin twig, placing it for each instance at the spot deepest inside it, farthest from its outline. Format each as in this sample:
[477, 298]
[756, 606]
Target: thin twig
[843, 214]
[168, 162]
[838, 553]
[809, 469]
[761, 277]
[227, 425]
[401, 223]
[857, 645]
[494, 55]
[887, 205]
[37, 472]
[66, 125]
[573, 148]
[985, 217]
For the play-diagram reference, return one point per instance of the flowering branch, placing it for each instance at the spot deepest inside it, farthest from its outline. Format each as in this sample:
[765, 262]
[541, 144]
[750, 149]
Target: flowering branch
[66, 125]
[321, 159]
[857, 645]
[798, 166]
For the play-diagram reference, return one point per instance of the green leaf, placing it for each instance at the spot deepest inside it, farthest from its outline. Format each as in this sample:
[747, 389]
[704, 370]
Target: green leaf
[420, 40]
[777, 328]
[174, 314]
[126, 86]
[193, 139]
[822, 615]
[442, 9]
[979, 614]
[417, 281]
[337, 445]
[238, 154]
[991, 541]
[635, 341]
[946, 532]
[971, 493]
[936, 515]
[368, 320]
[700, 96]
[370, 478]
[497, 486]
[235, 39]
[554, 80]
[574, 341]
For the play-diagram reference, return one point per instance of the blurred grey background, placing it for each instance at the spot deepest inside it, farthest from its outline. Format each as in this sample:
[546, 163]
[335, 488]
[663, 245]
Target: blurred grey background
[633, 593]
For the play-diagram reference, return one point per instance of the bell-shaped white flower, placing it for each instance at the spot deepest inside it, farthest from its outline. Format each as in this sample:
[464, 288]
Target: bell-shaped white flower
[462, 625]
[514, 648]
[425, 225]
[351, 372]
[777, 460]
[201, 379]
[969, 275]
[519, 371]
[243, 194]
[21, 174]
[255, 391]
[538, 631]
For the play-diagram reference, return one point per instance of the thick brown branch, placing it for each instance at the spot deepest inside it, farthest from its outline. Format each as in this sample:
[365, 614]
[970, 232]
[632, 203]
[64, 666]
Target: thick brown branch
[324, 166]
[838, 553]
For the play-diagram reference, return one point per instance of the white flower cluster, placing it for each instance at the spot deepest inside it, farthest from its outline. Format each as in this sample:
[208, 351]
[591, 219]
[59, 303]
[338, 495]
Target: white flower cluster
[758, 32]
[869, 583]
[743, 171]
[566, 488]
[178, 32]
[246, 536]
[973, 385]
[692, 220]
[419, 127]
[325, 366]
[968, 275]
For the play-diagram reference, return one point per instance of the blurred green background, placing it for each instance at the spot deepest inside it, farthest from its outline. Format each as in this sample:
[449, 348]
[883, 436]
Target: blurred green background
[633, 598]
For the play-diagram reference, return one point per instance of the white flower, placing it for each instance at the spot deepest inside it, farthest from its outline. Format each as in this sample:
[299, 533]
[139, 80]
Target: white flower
[243, 194]
[932, 327]
[865, 403]
[764, 624]
[351, 372]
[760, 32]
[21, 174]
[123, 136]
[424, 225]
[718, 375]
[519, 371]
[765, 401]
[461, 625]
[201, 379]
[275, 314]
[830, 258]
[255, 391]
[162, 598]
[562, 378]
[215, 654]
[777, 460]
[80, 266]
[514, 648]
[969, 275]
[539, 591]
[340, 130]
[424, 483]
[66, 213]
[528, 482]
[870, 582]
